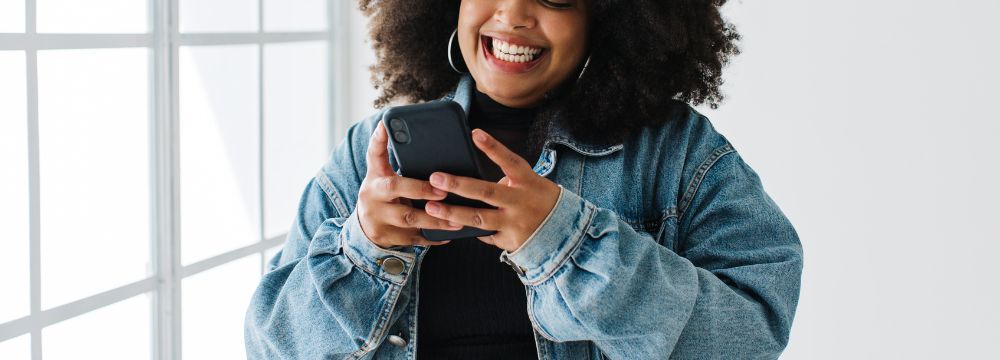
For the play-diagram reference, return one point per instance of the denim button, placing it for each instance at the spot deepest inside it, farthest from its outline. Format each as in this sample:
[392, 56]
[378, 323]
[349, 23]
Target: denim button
[393, 265]
[396, 340]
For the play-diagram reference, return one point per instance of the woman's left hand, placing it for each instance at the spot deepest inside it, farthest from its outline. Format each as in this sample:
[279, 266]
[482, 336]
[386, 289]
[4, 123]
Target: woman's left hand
[522, 197]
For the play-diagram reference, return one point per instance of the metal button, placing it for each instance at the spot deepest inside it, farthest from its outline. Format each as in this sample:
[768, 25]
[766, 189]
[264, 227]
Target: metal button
[393, 265]
[396, 340]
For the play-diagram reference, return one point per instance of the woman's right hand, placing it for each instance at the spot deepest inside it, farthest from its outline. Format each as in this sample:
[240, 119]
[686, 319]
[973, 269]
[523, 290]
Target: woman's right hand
[384, 210]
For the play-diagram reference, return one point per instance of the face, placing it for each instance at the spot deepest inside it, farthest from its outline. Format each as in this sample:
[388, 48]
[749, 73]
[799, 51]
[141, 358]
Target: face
[517, 50]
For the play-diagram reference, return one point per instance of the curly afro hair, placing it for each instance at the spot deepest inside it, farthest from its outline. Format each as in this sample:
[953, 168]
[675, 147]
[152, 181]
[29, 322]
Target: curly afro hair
[650, 55]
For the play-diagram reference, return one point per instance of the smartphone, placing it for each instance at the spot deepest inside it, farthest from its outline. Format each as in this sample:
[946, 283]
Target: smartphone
[434, 136]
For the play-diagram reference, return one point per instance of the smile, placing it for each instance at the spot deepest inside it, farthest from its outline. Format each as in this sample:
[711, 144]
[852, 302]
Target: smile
[511, 57]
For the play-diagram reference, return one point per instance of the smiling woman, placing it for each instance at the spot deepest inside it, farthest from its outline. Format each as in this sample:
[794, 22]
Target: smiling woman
[537, 47]
[640, 232]
[645, 52]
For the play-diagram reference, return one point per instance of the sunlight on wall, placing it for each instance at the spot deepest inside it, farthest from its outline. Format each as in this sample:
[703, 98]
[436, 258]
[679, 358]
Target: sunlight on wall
[203, 16]
[12, 16]
[94, 170]
[92, 16]
[219, 142]
[14, 191]
[88, 336]
[213, 319]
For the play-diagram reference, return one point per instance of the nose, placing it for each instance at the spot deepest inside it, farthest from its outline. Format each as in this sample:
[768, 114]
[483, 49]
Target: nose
[515, 14]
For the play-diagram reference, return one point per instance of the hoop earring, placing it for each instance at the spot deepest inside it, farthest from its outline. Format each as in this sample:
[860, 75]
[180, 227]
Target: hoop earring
[585, 63]
[451, 40]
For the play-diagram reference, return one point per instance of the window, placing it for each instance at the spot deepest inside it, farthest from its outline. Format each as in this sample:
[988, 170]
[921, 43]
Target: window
[154, 153]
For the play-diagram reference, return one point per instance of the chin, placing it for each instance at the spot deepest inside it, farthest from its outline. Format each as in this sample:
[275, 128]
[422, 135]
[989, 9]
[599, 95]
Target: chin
[510, 88]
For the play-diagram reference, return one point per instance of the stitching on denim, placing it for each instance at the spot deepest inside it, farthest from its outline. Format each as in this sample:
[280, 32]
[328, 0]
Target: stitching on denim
[414, 307]
[546, 348]
[580, 149]
[331, 193]
[358, 263]
[578, 240]
[700, 175]
[644, 223]
[534, 322]
[382, 325]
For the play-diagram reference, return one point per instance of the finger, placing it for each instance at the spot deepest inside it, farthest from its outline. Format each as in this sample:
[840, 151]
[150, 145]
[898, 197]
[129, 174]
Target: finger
[489, 239]
[388, 188]
[486, 219]
[422, 241]
[411, 238]
[403, 216]
[512, 164]
[377, 155]
[485, 191]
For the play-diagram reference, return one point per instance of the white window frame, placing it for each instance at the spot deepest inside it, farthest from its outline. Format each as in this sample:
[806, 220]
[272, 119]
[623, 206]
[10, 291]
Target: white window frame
[168, 272]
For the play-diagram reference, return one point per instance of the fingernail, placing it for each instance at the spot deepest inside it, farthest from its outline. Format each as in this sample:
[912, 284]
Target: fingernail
[439, 192]
[437, 179]
[432, 207]
[479, 136]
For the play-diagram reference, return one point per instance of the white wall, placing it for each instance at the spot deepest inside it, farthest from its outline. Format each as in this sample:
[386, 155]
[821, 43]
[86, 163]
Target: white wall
[871, 124]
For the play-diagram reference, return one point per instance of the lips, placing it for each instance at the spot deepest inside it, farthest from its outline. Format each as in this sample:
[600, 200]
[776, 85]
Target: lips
[514, 67]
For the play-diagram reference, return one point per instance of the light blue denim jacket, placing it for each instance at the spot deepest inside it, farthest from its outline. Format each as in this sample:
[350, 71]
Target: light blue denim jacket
[665, 245]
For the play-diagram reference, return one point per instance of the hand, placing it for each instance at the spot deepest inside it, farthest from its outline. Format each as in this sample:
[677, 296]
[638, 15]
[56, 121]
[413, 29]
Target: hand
[522, 197]
[384, 212]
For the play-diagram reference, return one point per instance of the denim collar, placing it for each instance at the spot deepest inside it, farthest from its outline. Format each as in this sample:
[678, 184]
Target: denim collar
[557, 134]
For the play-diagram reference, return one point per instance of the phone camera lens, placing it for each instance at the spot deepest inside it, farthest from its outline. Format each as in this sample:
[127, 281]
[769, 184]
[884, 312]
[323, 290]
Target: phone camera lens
[402, 137]
[396, 124]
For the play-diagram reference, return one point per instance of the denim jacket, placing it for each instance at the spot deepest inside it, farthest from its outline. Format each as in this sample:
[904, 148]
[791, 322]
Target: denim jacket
[663, 245]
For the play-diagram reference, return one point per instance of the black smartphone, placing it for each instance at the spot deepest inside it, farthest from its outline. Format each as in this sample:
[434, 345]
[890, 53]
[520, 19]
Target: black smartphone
[434, 136]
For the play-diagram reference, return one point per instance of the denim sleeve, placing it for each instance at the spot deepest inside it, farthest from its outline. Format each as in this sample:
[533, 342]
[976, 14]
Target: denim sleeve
[324, 295]
[729, 290]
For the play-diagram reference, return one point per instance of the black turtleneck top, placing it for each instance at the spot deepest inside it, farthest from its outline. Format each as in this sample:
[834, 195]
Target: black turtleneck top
[471, 305]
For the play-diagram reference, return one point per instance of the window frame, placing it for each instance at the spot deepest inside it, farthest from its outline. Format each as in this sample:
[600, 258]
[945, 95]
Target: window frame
[163, 39]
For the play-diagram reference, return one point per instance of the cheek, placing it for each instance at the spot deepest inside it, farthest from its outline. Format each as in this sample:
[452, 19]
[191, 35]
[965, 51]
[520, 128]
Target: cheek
[470, 18]
[472, 15]
[572, 45]
[569, 33]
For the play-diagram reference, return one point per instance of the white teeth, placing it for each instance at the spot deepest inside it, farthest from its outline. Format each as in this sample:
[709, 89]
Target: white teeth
[513, 53]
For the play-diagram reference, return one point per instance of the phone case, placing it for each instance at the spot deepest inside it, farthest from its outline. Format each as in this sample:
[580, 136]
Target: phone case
[436, 138]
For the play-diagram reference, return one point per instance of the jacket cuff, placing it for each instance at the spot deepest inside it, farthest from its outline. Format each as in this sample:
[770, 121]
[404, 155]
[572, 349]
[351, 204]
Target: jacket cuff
[554, 240]
[392, 264]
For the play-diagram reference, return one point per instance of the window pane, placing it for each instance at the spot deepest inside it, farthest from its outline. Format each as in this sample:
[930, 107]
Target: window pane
[14, 189]
[295, 127]
[218, 16]
[11, 16]
[214, 304]
[18, 348]
[294, 15]
[220, 186]
[92, 16]
[94, 163]
[117, 331]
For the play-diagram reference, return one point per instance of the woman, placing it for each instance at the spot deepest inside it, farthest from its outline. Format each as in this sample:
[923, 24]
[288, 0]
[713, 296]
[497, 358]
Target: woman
[639, 233]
